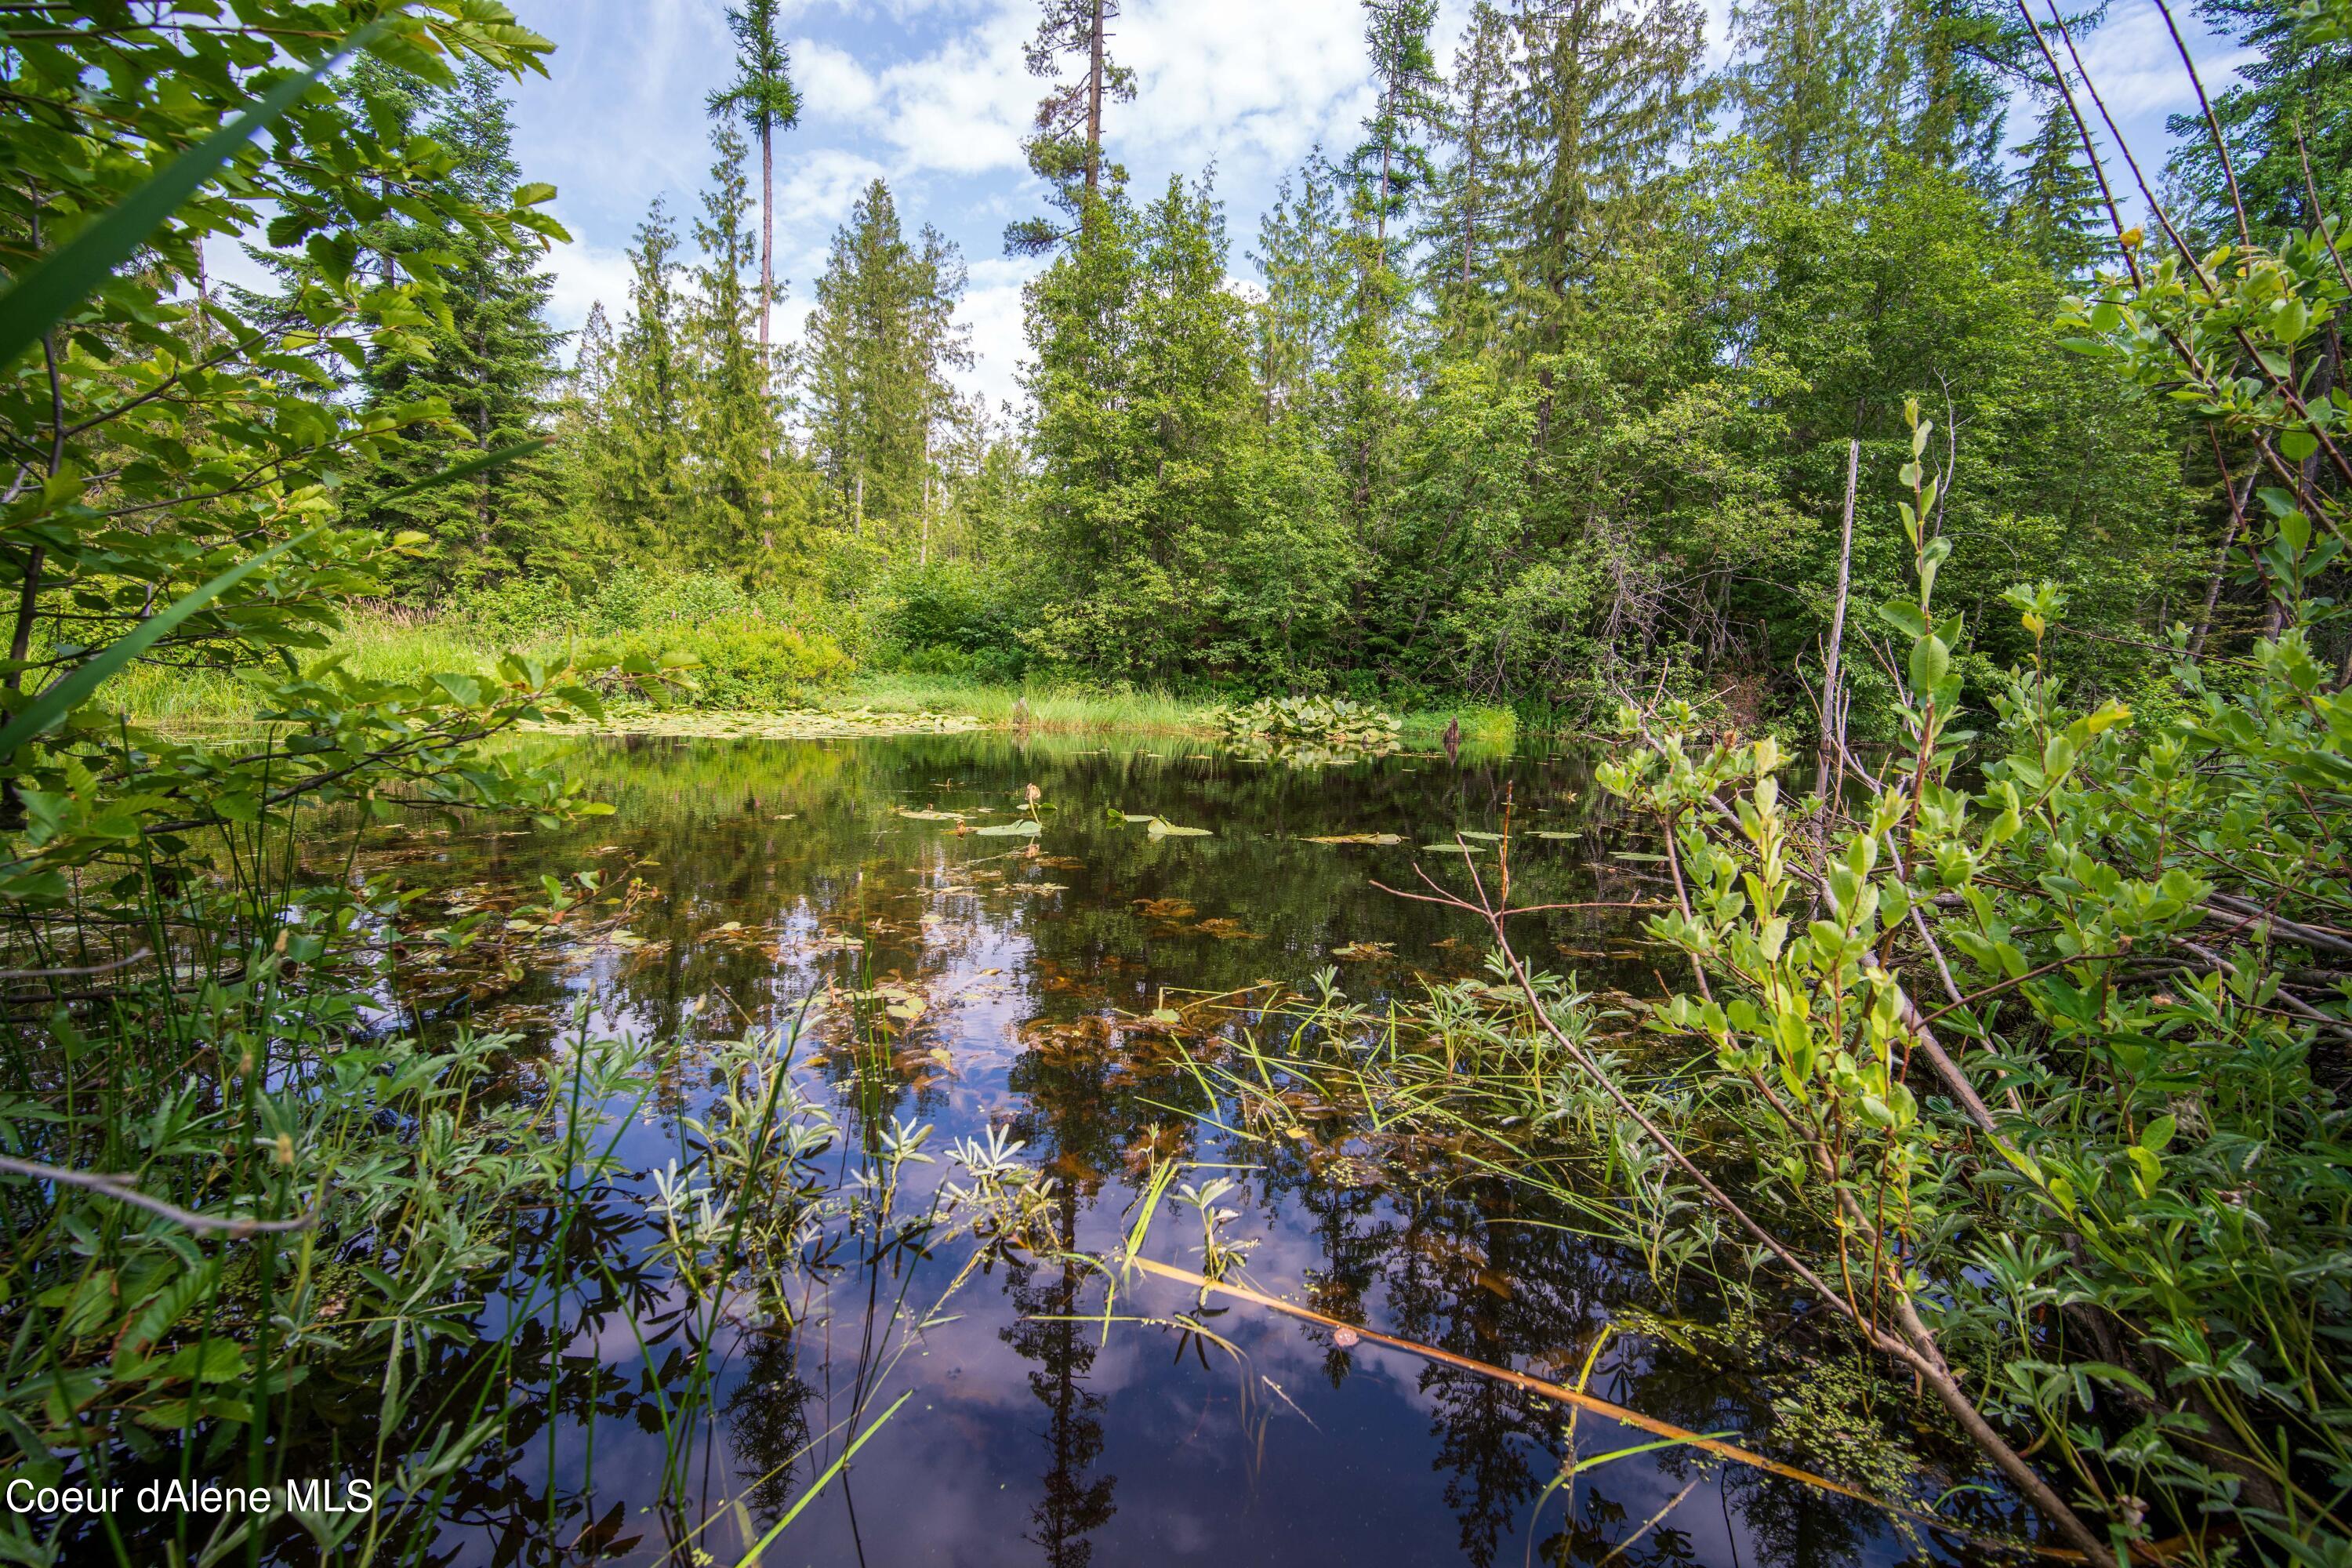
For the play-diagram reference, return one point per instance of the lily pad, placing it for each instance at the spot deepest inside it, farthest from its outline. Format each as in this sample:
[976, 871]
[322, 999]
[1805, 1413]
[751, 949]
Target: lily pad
[1457, 849]
[1025, 828]
[1382, 838]
[1163, 828]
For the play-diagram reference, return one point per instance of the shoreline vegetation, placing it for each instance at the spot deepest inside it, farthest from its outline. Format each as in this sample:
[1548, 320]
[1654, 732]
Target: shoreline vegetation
[398, 649]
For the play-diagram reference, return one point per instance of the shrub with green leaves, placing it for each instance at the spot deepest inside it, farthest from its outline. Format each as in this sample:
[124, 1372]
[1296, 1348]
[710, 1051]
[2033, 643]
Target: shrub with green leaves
[201, 1125]
[2045, 1068]
[737, 661]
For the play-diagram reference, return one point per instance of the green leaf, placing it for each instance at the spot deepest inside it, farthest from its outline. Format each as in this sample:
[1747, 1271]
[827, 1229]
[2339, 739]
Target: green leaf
[1025, 828]
[214, 1361]
[1903, 617]
[42, 298]
[1163, 828]
[1930, 662]
[75, 689]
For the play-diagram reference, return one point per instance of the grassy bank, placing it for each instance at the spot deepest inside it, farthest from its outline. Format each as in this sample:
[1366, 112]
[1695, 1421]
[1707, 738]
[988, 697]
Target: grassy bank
[390, 649]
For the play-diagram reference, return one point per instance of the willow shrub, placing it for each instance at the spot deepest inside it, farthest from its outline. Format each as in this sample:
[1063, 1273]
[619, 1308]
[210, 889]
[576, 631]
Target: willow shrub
[2124, 1213]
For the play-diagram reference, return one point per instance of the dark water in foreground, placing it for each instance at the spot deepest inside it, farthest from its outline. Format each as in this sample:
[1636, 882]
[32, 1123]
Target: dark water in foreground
[1032, 1435]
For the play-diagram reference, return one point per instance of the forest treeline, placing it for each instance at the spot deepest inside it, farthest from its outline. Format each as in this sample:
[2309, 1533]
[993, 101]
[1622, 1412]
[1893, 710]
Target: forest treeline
[1548, 390]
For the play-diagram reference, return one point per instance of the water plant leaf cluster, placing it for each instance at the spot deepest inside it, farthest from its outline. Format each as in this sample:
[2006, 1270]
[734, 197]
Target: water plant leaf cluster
[1309, 730]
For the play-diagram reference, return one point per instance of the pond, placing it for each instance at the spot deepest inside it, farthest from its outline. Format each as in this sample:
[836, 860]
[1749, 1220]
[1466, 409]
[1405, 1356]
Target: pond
[1049, 1003]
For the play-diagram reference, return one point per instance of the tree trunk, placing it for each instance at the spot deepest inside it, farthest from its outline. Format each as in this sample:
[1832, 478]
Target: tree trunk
[2221, 566]
[1094, 99]
[767, 228]
[1831, 756]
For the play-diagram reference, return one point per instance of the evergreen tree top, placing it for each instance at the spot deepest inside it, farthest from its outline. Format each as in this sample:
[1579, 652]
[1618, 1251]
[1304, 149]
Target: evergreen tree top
[762, 91]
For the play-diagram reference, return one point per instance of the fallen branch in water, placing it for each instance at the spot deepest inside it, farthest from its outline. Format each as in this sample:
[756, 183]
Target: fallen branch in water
[1579, 1399]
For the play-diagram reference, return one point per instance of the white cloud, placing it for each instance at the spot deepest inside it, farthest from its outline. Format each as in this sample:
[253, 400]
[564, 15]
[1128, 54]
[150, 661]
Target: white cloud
[1242, 81]
[964, 108]
[2134, 65]
[831, 84]
[584, 275]
[817, 188]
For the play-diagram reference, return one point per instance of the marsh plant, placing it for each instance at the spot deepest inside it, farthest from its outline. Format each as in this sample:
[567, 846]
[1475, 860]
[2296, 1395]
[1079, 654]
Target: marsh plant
[1309, 729]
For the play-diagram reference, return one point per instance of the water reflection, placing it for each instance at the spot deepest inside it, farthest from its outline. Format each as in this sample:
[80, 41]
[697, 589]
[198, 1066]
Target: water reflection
[1041, 991]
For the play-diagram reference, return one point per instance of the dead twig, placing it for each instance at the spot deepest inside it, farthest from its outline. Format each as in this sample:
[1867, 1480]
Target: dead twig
[125, 1190]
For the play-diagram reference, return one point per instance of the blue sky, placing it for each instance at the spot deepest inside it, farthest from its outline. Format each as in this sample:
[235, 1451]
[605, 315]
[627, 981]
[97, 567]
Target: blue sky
[932, 95]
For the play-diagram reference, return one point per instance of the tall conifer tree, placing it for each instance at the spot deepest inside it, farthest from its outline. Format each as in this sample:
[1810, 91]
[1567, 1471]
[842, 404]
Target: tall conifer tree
[763, 93]
[881, 343]
[1067, 148]
[734, 413]
[490, 361]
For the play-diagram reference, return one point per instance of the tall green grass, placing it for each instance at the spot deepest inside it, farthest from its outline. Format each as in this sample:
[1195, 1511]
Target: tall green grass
[396, 647]
[392, 647]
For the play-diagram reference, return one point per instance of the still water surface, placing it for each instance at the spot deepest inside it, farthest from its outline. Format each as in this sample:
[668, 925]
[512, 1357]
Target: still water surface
[1036, 1432]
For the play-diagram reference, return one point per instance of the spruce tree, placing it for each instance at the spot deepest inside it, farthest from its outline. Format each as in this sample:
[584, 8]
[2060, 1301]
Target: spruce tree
[2052, 207]
[1390, 166]
[2300, 82]
[582, 453]
[1181, 533]
[732, 409]
[1603, 98]
[1808, 84]
[489, 361]
[646, 466]
[880, 344]
[1463, 232]
[1302, 254]
[1066, 151]
[1945, 106]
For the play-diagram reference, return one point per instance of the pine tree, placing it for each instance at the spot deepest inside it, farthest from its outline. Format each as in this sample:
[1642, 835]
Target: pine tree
[489, 362]
[764, 94]
[1066, 152]
[2052, 207]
